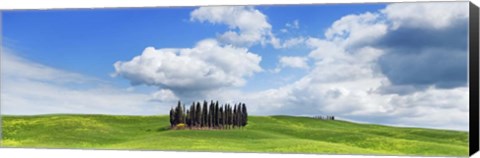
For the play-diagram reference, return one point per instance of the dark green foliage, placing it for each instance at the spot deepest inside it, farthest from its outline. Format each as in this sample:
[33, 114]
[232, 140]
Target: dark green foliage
[216, 115]
[221, 116]
[172, 117]
[244, 115]
[230, 116]
[211, 112]
[205, 114]
[192, 114]
[234, 117]
[239, 116]
[211, 115]
[324, 117]
[178, 116]
[188, 119]
[198, 116]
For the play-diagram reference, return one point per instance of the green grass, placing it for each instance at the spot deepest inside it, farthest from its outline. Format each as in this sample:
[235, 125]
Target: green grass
[284, 134]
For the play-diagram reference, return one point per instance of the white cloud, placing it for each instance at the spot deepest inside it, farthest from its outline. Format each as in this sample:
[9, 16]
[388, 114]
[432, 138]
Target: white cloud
[33, 88]
[291, 62]
[345, 80]
[325, 50]
[353, 30]
[205, 67]
[164, 95]
[426, 15]
[436, 108]
[294, 62]
[291, 42]
[247, 25]
[17, 67]
[294, 25]
[355, 99]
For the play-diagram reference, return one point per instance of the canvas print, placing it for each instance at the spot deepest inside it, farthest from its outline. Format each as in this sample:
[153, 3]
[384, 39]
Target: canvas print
[369, 79]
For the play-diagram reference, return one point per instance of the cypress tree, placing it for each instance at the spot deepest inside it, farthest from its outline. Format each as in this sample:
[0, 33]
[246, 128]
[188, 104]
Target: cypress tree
[216, 116]
[245, 115]
[220, 117]
[234, 116]
[224, 116]
[178, 114]
[211, 112]
[230, 116]
[187, 119]
[175, 115]
[235, 112]
[213, 115]
[198, 118]
[242, 115]
[172, 118]
[239, 115]
[184, 114]
[205, 114]
[192, 114]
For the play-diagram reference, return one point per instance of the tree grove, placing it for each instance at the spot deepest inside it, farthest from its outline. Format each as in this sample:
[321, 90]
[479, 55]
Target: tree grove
[211, 115]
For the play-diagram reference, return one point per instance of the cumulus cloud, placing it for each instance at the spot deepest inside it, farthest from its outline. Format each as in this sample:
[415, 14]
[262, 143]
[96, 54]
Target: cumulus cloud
[205, 67]
[426, 47]
[382, 67]
[293, 62]
[426, 15]
[357, 63]
[164, 95]
[32, 88]
[426, 67]
[247, 25]
[291, 42]
[412, 44]
[375, 67]
[357, 29]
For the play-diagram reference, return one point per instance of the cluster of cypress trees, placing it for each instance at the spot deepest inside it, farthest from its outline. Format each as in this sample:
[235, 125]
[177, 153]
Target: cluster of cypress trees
[324, 117]
[209, 115]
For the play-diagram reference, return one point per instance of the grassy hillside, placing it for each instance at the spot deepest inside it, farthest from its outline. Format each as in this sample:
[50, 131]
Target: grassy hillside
[262, 134]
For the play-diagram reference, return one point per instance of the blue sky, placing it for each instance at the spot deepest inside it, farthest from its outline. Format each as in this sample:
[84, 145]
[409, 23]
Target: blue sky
[354, 61]
[89, 41]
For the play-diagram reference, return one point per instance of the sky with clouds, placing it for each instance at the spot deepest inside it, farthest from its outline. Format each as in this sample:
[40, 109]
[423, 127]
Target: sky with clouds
[402, 64]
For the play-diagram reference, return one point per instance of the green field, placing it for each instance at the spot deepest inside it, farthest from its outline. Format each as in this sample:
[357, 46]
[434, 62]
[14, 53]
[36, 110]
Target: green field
[284, 134]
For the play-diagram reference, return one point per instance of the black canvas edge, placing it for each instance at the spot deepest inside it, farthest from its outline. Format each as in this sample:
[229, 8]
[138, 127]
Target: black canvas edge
[474, 131]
